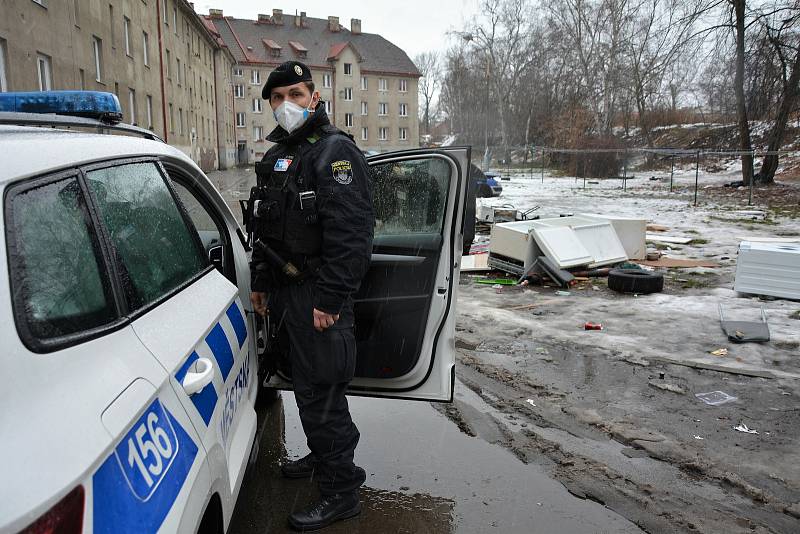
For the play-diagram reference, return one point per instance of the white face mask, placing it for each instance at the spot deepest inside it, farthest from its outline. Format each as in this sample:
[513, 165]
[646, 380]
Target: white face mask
[291, 116]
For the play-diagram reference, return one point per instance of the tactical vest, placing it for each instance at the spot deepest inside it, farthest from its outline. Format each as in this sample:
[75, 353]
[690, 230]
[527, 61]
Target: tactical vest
[283, 204]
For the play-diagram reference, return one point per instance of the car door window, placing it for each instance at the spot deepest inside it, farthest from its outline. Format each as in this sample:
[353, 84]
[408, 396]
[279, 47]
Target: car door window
[410, 196]
[59, 284]
[153, 243]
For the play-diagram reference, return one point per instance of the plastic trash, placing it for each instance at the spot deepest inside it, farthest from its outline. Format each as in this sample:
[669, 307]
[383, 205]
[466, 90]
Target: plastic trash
[563, 293]
[592, 326]
[715, 398]
[741, 427]
[530, 401]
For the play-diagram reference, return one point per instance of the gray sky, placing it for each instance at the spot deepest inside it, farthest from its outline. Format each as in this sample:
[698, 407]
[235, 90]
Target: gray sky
[413, 25]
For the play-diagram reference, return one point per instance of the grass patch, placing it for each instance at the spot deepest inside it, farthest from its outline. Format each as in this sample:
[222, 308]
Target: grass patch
[666, 246]
[695, 232]
[695, 283]
[744, 220]
[699, 241]
[795, 315]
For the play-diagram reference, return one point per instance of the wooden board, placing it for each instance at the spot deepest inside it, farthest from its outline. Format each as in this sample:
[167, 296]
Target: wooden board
[475, 262]
[668, 239]
[676, 262]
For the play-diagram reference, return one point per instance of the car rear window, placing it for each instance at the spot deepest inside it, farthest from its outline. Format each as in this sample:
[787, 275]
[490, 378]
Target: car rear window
[153, 243]
[57, 279]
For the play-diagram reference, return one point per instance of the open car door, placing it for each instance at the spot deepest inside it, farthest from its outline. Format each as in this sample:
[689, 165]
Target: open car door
[405, 309]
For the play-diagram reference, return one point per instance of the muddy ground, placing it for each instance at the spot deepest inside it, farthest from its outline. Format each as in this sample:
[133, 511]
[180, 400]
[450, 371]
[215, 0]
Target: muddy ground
[612, 414]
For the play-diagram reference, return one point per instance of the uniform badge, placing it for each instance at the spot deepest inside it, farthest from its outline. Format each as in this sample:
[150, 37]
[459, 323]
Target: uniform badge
[282, 165]
[342, 171]
[298, 70]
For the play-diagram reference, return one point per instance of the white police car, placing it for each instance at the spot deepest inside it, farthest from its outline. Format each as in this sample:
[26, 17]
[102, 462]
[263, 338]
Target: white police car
[129, 352]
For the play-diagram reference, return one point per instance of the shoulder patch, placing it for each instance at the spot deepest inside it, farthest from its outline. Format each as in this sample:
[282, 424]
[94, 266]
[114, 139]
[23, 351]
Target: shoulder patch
[342, 171]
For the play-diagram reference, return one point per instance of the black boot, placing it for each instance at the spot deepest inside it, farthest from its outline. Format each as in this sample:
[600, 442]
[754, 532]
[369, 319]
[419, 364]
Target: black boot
[302, 468]
[328, 510]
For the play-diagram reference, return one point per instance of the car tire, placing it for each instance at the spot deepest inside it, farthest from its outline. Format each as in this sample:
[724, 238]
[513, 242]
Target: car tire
[635, 281]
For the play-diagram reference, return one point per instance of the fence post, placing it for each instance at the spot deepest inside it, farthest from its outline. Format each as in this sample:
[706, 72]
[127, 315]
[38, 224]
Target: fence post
[625, 170]
[530, 170]
[696, 175]
[671, 171]
[752, 179]
[542, 164]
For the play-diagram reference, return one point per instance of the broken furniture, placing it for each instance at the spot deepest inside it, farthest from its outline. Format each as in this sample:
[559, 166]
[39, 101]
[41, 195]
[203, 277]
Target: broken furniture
[743, 331]
[768, 269]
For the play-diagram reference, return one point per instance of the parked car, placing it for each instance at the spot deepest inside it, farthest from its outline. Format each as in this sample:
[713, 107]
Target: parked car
[488, 185]
[130, 346]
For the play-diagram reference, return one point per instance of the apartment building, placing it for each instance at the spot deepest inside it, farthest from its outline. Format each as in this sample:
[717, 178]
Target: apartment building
[368, 84]
[157, 56]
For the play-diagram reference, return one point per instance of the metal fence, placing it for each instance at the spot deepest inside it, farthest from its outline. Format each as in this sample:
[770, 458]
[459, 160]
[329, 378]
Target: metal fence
[535, 160]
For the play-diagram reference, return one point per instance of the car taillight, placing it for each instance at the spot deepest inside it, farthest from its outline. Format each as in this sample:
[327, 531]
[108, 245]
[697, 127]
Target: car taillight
[66, 517]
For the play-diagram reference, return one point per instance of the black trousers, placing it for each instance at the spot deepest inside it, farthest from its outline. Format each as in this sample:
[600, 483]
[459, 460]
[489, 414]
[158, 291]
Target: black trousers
[322, 365]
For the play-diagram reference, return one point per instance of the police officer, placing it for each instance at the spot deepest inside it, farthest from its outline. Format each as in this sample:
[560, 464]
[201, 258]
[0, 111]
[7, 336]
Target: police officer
[313, 228]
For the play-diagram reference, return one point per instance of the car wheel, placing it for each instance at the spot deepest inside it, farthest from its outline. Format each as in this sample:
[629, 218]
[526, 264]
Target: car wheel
[635, 281]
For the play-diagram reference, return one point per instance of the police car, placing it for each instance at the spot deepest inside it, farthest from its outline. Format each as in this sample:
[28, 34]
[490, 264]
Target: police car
[130, 351]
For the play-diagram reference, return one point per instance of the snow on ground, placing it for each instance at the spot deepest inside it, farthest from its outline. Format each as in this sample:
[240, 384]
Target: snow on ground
[680, 323]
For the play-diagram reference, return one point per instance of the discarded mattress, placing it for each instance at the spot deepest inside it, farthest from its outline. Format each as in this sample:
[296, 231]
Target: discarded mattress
[768, 269]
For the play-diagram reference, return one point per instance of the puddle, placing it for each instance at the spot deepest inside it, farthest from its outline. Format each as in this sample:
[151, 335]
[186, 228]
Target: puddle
[423, 475]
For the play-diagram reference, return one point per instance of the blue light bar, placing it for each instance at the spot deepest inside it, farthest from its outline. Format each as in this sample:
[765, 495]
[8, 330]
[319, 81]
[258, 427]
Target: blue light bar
[91, 104]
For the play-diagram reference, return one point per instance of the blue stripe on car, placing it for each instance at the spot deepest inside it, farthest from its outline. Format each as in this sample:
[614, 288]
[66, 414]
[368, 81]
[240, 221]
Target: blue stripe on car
[205, 399]
[218, 342]
[117, 507]
[237, 321]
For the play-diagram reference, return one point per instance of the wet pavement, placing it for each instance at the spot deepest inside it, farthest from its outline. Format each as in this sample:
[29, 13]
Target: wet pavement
[424, 476]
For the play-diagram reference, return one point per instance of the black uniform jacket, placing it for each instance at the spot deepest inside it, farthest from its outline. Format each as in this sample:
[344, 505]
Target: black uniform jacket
[340, 177]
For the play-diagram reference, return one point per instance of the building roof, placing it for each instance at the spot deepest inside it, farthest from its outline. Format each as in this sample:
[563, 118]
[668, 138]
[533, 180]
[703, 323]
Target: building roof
[245, 39]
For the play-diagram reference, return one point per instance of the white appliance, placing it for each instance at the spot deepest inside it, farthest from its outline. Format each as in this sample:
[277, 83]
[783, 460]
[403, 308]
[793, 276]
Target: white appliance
[631, 233]
[768, 269]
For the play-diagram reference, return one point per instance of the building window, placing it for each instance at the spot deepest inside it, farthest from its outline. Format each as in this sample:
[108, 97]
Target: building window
[348, 93]
[403, 134]
[348, 69]
[171, 120]
[364, 85]
[168, 64]
[149, 101]
[256, 105]
[112, 26]
[382, 108]
[40, 2]
[132, 105]
[45, 72]
[165, 13]
[180, 121]
[403, 86]
[383, 134]
[348, 120]
[97, 49]
[77, 13]
[240, 120]
[126, 26]
[178, 74]
[363, 108]
[82, 76]
[145, 49]
[404, 110]
[326, 80]
[258, 133]
[381, 84]
[3, 74]
[175, 19]
[255, 77]
[237, 71]
[328, 107]
[238, 91]
[364, 133]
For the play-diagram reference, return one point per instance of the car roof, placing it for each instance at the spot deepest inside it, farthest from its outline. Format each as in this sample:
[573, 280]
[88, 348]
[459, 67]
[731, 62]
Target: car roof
[35, 150]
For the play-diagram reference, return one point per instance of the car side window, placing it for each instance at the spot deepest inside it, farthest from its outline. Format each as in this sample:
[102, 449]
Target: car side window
[205, 225]
[410, 196]
[153, 244]
[58, 281]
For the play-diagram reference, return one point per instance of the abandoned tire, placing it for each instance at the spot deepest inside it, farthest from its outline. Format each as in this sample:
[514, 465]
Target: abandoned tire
[635, 281]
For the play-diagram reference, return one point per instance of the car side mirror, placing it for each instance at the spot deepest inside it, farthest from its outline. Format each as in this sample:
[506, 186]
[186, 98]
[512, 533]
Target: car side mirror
[216, 255]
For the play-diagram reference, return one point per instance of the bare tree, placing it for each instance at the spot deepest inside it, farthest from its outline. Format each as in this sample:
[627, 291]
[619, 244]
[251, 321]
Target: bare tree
[428, 65]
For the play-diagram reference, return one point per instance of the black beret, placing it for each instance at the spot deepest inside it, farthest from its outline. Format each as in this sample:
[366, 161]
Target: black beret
[288, 73]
